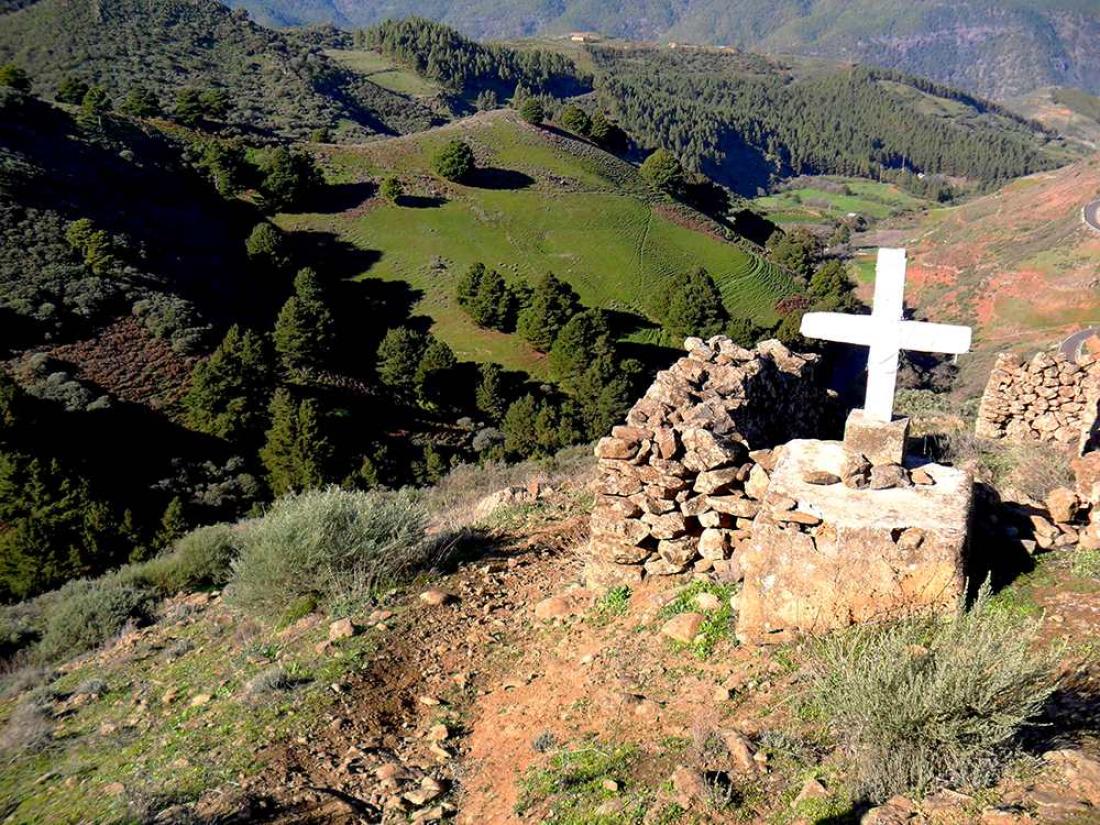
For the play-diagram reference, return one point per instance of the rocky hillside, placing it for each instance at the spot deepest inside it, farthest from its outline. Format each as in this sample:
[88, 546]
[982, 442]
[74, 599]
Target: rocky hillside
[997, 48]
[1018, 264]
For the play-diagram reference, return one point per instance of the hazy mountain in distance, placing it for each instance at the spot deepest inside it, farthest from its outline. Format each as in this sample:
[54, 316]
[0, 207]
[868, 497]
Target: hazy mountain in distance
[997, 48]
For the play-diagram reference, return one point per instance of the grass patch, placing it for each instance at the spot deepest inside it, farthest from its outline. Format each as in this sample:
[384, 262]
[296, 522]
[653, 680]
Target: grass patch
[577, 782]
[1085, 564]
[717, 625]
[928, 702]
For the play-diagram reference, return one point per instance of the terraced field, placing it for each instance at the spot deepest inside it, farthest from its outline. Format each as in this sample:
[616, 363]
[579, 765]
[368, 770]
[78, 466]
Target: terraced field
[541, 202]
[827, 199]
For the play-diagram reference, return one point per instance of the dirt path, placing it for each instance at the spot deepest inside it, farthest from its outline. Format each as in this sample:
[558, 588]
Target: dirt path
[391, 745]
[1091, 215]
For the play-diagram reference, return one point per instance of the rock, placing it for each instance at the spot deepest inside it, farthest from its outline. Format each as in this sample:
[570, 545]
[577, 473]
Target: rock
[860, 562]
[114, 789]
[741, 753]
[678, 551]
[1004, 816]
[706, 451]
[683, 627]
[728, 571]
[429, 789]
[888, 476]
[757, 484]
[855, 471]
[765, 458]
[896, 811]
[921, 477]
[341, 629]
[714, 543]
[689, 786]
[501, 498]
[435, 597]
[1062, 504]
[713, 481]
[200, 699]
[811, 789]
[880, 442]
[1080, 772]
[563, 605]
[616, 448]
[821, 478]
[438, 733]
[1086, 471]
[707, 602]
[735, 506]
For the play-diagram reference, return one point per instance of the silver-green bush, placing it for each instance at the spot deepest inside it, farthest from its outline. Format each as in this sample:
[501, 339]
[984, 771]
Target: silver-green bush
[199, 559]
[89, 612]
[336, 544]
[928, 702]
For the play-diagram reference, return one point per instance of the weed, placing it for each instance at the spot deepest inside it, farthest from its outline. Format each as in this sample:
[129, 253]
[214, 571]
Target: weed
[615, 602]
[576, 780]
[1086, 564]
[544, 742]
[273, 679]
[29, 727]
[717, 625]
[926, 701]
[91, 612]
[298, 609]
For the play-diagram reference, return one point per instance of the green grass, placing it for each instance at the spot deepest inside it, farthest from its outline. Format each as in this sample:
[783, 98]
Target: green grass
[383, 72]
[824, 200]
[167, 751]
[574, 783]
[583, 214]
[718, 624]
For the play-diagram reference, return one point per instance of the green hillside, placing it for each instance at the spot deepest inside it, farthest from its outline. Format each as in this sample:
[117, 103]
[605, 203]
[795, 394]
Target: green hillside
[280, 84]
[549, 203]
[997, 48]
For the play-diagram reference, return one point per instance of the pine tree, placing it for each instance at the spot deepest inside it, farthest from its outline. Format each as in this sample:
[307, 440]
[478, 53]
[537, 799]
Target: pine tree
[72, 90]
[288, 179]
[140, 102]
[693, 305]
[188, 109]
[391, 188]
[520, 438]
[229, 390]
[173, 523]
[532, 111]
[552, 303]
[14, 78]
[490, 394]
[296, 451]
[433, 372]
[455, 161]
[583, 340]
[304, 330]
[576, 120]
[663, 170]
[399, 357]
[468, 285]
[493, 305]
[265, 246]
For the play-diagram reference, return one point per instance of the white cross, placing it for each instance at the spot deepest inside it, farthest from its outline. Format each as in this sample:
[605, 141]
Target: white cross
[886, 333]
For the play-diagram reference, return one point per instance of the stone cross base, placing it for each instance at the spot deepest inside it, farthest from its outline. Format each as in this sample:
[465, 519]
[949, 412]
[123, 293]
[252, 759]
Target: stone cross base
[879, 441]
[824, 555]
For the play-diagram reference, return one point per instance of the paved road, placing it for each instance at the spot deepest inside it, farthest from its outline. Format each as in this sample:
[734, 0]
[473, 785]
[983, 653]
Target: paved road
[1091, 214]
[1070, 346]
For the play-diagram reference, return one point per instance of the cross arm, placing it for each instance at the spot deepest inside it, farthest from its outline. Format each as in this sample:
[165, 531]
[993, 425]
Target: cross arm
[925, 337]
[835, 326]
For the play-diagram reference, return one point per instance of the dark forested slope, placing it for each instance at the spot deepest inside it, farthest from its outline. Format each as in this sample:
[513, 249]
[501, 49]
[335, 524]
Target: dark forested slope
[274, 83]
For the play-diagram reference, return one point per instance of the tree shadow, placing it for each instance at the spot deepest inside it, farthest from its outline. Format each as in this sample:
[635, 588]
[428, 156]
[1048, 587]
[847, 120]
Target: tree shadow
[494, 178]
[332, 256]
[340, 197]
[420, 202]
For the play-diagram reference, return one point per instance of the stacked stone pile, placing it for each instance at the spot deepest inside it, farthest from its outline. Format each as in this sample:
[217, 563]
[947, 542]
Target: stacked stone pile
[1074, 515]
[1048, 398]
[681, 482]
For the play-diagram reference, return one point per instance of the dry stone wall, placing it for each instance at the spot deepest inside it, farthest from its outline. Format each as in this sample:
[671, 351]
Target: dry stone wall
[682, 480]
[1048, 398]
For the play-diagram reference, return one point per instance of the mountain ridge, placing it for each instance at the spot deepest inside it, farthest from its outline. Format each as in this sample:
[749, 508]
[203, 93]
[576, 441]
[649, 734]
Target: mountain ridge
[997, 48]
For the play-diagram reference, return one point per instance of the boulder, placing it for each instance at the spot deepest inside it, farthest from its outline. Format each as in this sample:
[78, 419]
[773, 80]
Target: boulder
[683, 627]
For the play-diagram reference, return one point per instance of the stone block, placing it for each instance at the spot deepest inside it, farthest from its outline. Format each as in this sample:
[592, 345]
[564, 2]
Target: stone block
[857, 555]
[881, 442]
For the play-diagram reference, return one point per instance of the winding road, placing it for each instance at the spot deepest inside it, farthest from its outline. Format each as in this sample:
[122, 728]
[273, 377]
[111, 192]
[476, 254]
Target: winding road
[1091, 215]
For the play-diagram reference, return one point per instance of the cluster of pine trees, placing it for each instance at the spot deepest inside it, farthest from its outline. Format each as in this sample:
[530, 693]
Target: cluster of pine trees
[747, 126]
[598, 384]
[467, 68]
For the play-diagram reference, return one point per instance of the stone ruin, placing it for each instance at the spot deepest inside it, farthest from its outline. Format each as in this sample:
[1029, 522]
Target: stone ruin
[1048, 398]
[717, 472]
[681, 482]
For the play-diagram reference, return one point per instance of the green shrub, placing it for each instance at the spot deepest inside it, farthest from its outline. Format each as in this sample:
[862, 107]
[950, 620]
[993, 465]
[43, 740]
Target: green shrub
[334, 543]
[89, 613]
[454, 161]
[199, 559]
[927, 702]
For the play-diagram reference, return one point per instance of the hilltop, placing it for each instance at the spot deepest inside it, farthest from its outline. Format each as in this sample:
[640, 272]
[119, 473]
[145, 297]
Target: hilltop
[1070, 112]
[1019, 264]
[543, 201]
[996, 48]
[277, 84]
